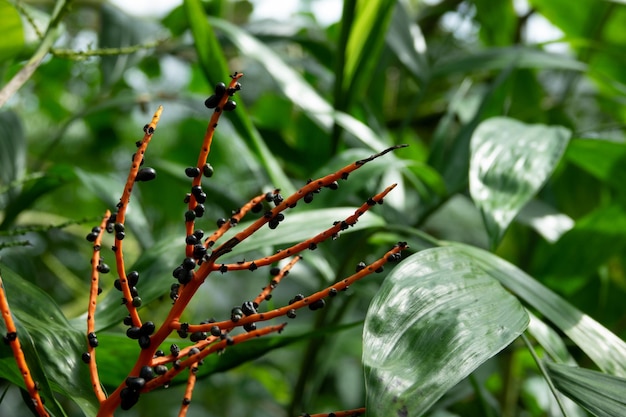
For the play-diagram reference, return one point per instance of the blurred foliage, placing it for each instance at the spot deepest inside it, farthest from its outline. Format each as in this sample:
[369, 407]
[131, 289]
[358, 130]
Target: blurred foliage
[432, 74]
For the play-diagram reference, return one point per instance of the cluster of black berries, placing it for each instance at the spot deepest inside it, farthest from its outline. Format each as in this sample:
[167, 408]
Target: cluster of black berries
[184, 272]
[130, 394]
[141, 334]
[220, 89]
[133, 279]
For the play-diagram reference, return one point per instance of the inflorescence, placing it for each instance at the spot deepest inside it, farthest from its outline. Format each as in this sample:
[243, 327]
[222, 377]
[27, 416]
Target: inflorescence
[203, 251]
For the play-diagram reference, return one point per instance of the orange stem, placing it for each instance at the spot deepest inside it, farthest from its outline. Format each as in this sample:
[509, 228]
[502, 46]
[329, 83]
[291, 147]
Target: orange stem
[339, 286]
[309, 243]
[18, 354]
[91, 312]
[275, 281]
[120, 215]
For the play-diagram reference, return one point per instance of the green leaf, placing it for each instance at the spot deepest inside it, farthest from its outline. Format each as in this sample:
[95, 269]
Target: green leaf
[510, 162]
[550, 340]
[501, 58]
[58, 344]
[365, 44]
[600, 394]
[498, 22]
[119, 30]
[12, 39]
[437, 317]
[604, 159]
[604, 348]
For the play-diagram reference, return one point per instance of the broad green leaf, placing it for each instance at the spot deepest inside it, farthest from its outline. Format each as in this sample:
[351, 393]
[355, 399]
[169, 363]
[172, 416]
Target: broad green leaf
[605, 160]
[12, 39]
[437, 317]
[600, 394]
[156, 264]
[120, 30]
[510, 162]
[215, 68]
[58, 344]
[604, 348]
[498, 22]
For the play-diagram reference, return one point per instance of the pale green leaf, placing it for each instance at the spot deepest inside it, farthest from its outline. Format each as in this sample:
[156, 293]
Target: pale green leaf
[510, 162]
[438, 316]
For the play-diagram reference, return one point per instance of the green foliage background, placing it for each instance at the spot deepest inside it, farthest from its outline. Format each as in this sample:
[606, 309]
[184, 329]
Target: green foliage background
[516, 148]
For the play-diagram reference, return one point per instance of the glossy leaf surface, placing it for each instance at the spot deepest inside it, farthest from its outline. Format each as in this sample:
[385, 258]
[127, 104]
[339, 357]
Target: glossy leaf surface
[510, 161]
[437, 317]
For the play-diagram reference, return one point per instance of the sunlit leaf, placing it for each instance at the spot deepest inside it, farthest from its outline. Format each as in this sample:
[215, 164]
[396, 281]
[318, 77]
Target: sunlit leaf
[600, 394]
[437, 317]
[603, 347]
[546, 220]
[362, 52]
[510, 162]
[293, 85]
[12, 39]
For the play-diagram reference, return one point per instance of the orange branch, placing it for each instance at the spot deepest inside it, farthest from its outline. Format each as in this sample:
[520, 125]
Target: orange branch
[283, 311]
[267, 291]
[206, 148]
[191, 382]
[309, 243]
[120, 216]
[12, 339]
[91, 312]
[221, 345]
[292, 200]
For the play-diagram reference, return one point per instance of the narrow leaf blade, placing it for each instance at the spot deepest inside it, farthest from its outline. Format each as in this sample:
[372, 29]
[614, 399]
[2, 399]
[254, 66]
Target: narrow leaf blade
[601, 394]
[603, 347]
[437, 317]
